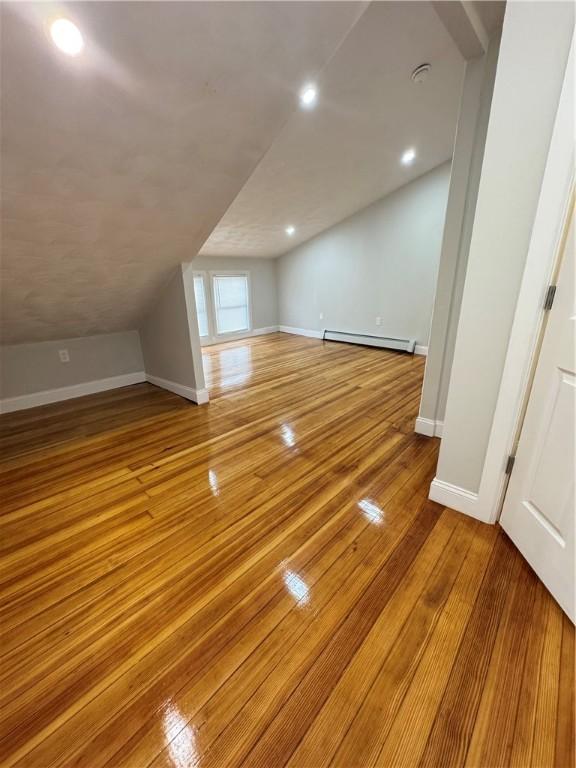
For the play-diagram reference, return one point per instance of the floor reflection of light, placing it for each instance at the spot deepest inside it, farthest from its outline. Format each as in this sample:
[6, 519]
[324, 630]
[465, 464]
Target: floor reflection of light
[296, 586]
[288, 436]
[228, 381]
[180, 739]
[371, 511]
[207, 366]
[235, 366]
[213, 482]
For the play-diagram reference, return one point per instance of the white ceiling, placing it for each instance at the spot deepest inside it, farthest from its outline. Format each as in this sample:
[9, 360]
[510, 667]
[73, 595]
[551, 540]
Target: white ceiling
[117, 164]
[332, 161]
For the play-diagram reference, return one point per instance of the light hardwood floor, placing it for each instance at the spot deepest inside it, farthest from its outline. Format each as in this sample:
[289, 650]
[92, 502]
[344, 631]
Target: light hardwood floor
[263, 582]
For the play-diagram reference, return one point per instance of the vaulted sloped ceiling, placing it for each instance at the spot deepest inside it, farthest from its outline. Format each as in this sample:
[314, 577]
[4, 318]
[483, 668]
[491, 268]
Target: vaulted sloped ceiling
[117, 164]
[338, 158]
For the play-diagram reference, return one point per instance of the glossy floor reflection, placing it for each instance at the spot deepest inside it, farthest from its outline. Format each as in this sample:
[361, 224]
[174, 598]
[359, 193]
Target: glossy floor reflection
[232, 365]
[263, 582]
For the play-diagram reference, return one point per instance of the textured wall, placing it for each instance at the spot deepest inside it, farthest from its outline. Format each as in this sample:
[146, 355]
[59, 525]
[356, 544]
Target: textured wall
[117, 164]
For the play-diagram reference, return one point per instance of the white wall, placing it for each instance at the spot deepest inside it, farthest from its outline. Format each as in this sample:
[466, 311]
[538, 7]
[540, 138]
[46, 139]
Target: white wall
[27, 369]
[264, 298]
[464, 183]
[166, 352]
[380, 262]
[32, 374]
[170, 343]
[533, 53]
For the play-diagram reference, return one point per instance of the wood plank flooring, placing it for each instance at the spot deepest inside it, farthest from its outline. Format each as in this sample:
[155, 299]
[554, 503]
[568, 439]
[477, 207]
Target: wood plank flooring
[263, 582]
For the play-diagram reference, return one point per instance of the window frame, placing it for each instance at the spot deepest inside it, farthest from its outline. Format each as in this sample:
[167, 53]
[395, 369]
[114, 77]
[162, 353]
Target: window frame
[204, 340]
[214, 273]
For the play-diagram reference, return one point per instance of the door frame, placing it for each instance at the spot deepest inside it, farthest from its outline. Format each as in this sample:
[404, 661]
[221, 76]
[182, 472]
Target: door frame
[552, 213]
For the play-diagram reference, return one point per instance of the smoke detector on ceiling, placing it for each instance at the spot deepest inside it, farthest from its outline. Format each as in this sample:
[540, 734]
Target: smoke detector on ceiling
[420, 74]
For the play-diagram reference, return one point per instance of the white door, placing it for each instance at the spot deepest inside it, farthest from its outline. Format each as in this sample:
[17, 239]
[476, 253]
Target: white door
[539, 509]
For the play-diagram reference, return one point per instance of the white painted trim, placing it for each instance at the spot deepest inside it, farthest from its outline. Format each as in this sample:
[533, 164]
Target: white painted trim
[199, 396]
[202, 396]
[210, 342]
[420, 349]
[47, 396]
[300, 331]
[455, 497]
[264, 331]
[214, 273]
[551, 215]
[425, 426]
[428, 427]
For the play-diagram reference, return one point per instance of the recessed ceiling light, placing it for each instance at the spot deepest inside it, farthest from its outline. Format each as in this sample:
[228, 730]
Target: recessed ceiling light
[67, 36]
[409, 156]
[290, 230]
[308, 96]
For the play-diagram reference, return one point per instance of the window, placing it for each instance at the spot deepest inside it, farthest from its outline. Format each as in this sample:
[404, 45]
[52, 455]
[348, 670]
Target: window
[231, 306]
[201, 309]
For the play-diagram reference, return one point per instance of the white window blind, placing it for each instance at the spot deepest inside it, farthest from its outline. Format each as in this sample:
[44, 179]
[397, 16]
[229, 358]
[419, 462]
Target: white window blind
[231, 303]
[201, 310]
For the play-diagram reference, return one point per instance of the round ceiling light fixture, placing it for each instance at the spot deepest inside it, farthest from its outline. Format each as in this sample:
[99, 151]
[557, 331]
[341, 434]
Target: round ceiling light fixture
[66, 36]
[420, 74]
[308, 96]
[408, 156]
[290, 230]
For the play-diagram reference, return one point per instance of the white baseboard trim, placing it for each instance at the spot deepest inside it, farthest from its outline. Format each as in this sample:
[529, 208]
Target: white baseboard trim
[265, 331]
[199, 396]
[202, 396]
[300, 331]
[419, 349]
[428, 427]
[456, 498]
[48, 396]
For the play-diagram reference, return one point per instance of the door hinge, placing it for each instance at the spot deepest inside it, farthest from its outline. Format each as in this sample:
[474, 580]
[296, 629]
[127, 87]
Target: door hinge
[510, 465]
[549, 299]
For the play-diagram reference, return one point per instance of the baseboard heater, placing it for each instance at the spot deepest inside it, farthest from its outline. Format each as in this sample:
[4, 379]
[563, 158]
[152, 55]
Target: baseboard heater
[386, 342]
